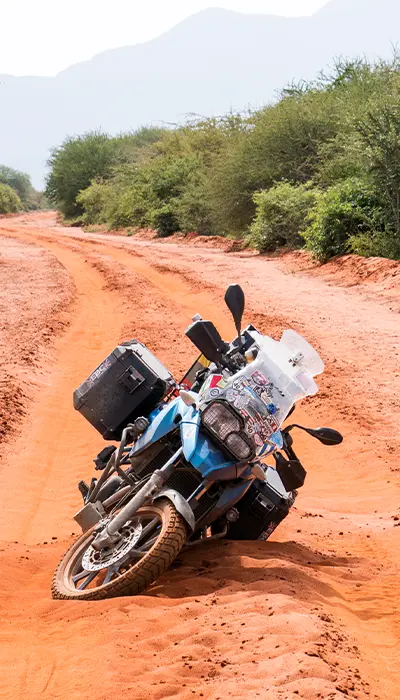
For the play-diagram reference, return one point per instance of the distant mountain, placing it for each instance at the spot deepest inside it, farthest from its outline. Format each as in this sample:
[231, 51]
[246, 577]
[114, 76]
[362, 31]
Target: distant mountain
[207, 64]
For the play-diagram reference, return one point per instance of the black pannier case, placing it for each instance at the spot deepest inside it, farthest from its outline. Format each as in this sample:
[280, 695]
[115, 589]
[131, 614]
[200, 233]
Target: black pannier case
[260, 510]
[129, 383]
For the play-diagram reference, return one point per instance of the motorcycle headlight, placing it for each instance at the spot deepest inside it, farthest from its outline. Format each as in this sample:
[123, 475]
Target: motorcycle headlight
[239, 447]
[220, 420]
[227, 427]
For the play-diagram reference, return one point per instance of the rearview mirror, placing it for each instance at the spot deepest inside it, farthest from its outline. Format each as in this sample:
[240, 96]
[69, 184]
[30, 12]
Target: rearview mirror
[325, 435]
[234, 299]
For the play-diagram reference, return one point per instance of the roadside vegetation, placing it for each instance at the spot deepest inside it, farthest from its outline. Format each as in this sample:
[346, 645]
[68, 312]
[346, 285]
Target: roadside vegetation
[319, 169]
[17, 193]
[9, 200]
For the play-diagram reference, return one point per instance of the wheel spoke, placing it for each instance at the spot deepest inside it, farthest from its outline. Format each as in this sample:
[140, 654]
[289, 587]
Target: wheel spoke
[82, 574]
[110, 571]
[147, 529]
[148, 544]
[90, 578]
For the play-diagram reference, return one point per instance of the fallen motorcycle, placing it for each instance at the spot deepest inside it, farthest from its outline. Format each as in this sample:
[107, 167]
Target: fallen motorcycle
[192, 458]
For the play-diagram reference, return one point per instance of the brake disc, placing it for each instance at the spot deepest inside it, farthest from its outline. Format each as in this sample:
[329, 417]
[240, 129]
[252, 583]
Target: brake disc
[94, 560]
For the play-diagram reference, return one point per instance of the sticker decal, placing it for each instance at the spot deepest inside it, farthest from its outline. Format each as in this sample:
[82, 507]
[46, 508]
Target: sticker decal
[210, 389]
[240, 383]
[242, 401]
[189, 431]
[250, 429]
[99, 371]
[214, 380]
[268, 532]
[232, 395]
[259, 378]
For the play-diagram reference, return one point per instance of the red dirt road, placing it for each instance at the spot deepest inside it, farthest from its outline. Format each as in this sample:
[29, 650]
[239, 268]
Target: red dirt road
[314, 612]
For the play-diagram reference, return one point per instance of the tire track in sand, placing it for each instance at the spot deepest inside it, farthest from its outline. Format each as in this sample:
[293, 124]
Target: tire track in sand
[54, 451]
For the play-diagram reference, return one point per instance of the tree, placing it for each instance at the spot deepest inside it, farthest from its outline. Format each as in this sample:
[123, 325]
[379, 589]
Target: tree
[18, 181]
[380, 132]
[9, 200]
[78, 161]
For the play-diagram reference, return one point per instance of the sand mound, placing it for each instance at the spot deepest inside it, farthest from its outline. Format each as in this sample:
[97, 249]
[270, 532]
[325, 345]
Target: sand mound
[222, 624]
[351, 270]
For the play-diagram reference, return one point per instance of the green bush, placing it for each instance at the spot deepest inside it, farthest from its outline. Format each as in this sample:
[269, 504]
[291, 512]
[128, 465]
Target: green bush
[9, 200]
[93, 201]
[176, 193]
[380, 134]
[383, 244]
[281, 215]
[74, 165]
[20, 182]
[194, 209]
[347, 210]
[280, 142]
[160, 193]
[164, 220]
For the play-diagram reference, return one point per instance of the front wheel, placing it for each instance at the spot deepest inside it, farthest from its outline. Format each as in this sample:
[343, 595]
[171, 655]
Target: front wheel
[148, 545]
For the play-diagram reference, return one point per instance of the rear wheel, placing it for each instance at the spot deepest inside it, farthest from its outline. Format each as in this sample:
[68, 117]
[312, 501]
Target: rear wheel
[149, 543]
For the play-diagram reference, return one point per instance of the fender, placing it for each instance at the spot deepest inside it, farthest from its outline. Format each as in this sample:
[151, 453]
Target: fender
[181, 505]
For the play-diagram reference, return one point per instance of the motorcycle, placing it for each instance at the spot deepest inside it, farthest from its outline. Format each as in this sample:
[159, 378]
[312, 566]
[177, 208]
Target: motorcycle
[192, 458]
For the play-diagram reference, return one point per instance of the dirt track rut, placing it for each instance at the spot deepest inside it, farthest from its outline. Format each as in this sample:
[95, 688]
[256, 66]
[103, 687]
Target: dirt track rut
[315, 611]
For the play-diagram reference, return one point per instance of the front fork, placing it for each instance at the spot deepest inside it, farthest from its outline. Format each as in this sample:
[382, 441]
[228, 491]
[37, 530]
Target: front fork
[110, 535]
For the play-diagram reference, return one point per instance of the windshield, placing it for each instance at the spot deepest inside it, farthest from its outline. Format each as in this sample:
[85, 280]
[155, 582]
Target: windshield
[267, 388]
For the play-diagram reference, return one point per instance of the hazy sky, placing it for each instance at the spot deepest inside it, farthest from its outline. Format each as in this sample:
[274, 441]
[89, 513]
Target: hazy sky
[42, 37]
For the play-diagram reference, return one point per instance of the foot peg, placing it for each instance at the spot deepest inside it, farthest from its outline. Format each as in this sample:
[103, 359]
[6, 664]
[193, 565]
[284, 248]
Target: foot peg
[84, 489]
[104, 457]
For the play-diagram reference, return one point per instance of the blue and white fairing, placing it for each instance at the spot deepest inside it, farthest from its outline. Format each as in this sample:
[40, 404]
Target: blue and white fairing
[198, 449]
[163, 420]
